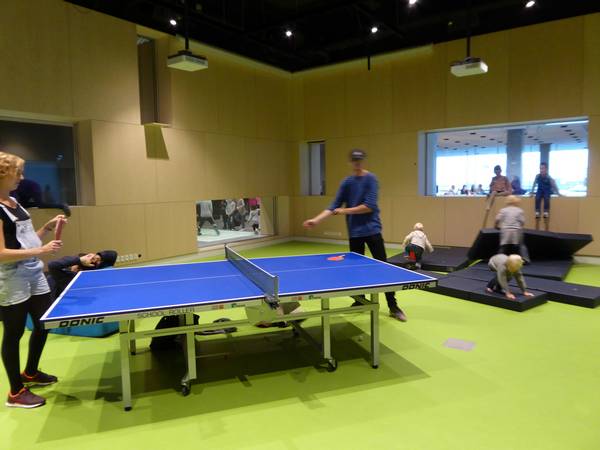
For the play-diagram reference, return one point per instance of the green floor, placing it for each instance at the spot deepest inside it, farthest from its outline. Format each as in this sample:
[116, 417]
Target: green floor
[531, 382]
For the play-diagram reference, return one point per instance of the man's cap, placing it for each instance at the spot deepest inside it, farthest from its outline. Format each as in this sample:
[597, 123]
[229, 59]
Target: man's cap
[357, 155]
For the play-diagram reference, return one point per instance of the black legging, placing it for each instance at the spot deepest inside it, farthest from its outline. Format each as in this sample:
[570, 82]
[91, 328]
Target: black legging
[14, 318]
[377, 248]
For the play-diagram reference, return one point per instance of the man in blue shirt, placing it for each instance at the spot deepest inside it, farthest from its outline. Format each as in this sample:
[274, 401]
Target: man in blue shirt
[358, 193]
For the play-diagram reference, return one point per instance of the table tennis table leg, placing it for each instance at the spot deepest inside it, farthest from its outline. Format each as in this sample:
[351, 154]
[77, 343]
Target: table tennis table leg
[132, 346]
[326, 336]
[375, 331]
[190, 355]
[125, 368]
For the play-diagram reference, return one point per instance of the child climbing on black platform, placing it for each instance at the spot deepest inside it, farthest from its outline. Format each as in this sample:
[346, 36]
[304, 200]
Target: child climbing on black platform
[415, 243]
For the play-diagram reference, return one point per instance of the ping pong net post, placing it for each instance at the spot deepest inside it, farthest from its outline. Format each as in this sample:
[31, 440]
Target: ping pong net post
[267, 282]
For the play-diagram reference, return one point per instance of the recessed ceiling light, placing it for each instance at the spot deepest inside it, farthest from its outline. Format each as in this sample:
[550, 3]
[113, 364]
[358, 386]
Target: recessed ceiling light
[412, 2]
[288, 33]
[529, 4]
[173, 22]
[374, 30]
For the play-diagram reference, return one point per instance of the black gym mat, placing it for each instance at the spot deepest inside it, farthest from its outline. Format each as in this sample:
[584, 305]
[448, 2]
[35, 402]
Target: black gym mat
[474, 290]
[558, 291]
[540, 244]
[443, 259]
[556, 269]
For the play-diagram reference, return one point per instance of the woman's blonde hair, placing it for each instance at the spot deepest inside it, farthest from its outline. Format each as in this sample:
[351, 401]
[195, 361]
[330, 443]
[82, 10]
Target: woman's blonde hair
[418, 226]
[10, 164]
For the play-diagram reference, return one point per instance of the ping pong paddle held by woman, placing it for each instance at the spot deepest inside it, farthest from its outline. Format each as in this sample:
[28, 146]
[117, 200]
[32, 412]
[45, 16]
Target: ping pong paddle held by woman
[59, 227]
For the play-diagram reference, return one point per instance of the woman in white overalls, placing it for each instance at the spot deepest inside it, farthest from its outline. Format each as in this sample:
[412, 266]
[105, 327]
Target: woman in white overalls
[23, 287]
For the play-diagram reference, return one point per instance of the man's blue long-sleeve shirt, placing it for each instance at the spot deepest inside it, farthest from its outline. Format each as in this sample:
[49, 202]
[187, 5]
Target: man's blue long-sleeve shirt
[355, 191]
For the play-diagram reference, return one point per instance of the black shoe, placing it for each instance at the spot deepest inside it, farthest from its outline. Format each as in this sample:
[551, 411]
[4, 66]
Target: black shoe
[397, 314]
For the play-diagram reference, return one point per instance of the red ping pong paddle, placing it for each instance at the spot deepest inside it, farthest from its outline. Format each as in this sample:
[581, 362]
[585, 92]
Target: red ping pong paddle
[336, 258]
[58, 230]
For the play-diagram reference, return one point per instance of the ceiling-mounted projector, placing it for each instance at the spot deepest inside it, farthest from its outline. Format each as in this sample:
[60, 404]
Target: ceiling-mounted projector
[468, 66]
[186, 60]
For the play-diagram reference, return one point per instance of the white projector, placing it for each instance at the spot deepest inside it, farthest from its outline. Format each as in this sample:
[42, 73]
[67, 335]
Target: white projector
[467, 67]
[186, 60]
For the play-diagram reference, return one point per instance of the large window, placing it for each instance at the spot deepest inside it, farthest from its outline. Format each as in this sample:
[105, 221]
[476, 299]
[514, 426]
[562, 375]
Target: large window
[50, 161]
[312, 168]
[461, 162]
[234, 219]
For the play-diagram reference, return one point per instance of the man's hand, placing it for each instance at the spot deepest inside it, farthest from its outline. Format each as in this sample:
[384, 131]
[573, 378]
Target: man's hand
[310, 223]
[339, 211]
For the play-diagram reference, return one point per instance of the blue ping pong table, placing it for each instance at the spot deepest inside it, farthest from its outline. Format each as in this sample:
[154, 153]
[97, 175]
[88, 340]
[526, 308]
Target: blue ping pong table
[262, 286]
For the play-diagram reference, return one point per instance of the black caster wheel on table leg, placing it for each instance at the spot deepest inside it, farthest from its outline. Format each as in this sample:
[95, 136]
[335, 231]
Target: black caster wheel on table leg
[332, 365]
[375, 366]
[185, 390]
[127, 408]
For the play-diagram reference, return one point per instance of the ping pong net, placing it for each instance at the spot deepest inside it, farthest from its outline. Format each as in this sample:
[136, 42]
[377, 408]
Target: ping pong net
[268, 283]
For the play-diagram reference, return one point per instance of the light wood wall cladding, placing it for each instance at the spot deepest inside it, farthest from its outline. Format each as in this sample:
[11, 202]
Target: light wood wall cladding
[591, 57]
[123, 173]
[408, 210]
[181, 173]
[546, 70]
[594, 156]
[419, 89]
[481, 99]
[296, 112]
[368, 108]
[589, 222]
[170, 229]
[103, 61]
[324, 105]
[36, 76]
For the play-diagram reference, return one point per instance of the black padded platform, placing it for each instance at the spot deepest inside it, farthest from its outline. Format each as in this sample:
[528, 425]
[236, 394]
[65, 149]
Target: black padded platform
[556, 269]
[558, 291]
[443, 259]
[550, 245]
[474, 290]
[540, 244]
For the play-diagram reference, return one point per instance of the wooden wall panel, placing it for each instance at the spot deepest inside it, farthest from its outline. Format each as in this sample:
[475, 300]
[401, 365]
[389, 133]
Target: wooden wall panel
[195, 98]
[34, 43]
[546, 70]
[103, 63]
[120, 228]
[324, 105]
[181, 173]
[122, 171]
[464, 217]
[591, 58]
[226, 166]
[236, 86]
[408, 210]
[481, 99]
[594, 156]
[368, 93]
[272, 106]
[393, 158]
[419, 89]
[170, 229]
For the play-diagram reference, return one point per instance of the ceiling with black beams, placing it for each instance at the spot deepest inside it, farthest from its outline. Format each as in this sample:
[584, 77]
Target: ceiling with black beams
[322, 32]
